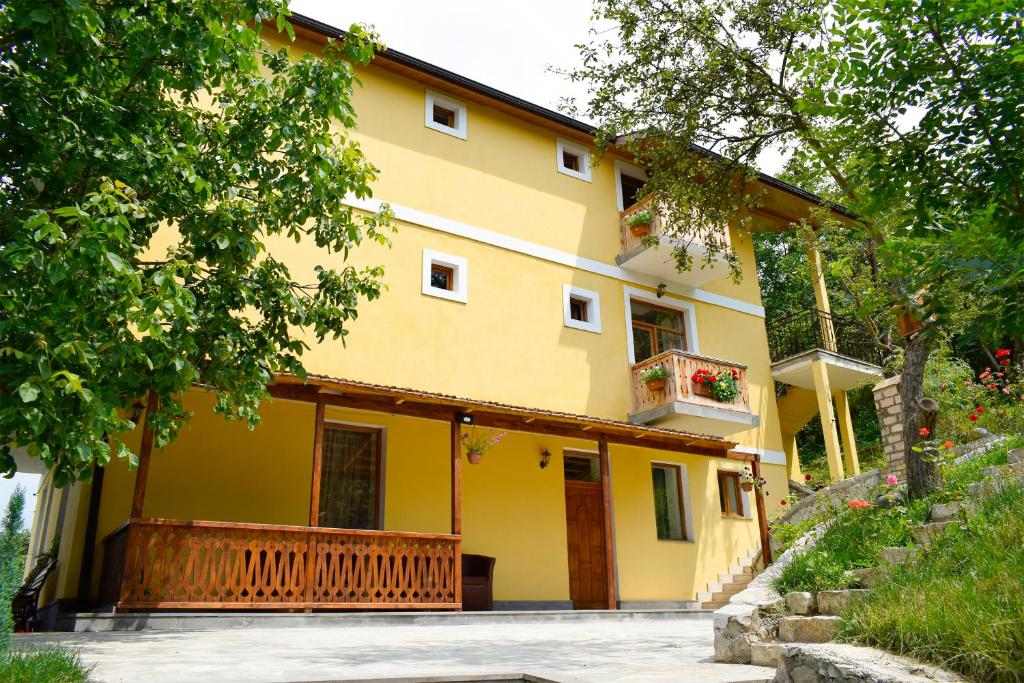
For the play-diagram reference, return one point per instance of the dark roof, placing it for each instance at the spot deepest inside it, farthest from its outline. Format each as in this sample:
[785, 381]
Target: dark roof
[554, 116]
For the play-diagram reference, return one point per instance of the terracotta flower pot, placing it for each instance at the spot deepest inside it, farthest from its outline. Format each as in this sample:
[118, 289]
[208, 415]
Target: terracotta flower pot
[474, 457]
[655, 385]
[640, 229]
[908, 324]
[747, 486]
[703, 389]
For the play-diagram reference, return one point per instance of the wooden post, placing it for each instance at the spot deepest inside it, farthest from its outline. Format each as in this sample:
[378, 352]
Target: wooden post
[318, 459]
[91, 524]
[145, 451]
[762, 519]
[609, 544]
[456, 465]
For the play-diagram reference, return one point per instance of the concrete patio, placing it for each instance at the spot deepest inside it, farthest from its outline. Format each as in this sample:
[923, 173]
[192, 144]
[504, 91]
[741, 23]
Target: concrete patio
[668, 649]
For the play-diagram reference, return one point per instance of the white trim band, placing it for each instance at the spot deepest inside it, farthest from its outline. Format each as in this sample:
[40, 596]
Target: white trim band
[768, 457]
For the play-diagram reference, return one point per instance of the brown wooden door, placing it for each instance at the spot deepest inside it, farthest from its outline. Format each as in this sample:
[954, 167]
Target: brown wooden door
[584, 520]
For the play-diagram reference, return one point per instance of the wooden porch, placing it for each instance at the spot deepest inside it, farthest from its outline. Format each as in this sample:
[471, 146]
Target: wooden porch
[182, 564]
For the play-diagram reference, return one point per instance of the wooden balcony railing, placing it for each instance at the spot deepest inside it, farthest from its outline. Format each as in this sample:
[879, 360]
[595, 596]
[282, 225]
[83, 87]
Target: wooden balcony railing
[679, 386]
[630, 242]
[180, 564]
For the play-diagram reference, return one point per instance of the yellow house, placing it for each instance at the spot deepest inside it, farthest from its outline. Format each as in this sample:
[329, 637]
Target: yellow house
[519, 302]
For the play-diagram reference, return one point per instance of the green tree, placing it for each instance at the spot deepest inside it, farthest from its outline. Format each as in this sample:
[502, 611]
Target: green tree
[836, 84]
[12, 561]
[124, 120]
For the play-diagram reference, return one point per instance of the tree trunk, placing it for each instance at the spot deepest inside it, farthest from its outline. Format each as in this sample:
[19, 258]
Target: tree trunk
[920, 472]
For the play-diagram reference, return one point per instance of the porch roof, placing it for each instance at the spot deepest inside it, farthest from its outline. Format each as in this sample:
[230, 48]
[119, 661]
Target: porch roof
[416, 403]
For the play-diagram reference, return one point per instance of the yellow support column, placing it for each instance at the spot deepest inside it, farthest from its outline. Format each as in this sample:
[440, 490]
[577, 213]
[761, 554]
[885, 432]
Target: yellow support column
[828, 420]
[850, 458]
[828, 334]
[792, 458]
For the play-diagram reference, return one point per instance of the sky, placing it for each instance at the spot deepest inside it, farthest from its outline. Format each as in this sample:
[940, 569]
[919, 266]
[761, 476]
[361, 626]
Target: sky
[30, 482]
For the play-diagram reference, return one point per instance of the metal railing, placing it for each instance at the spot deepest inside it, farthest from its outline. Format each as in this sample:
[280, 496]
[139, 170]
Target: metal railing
[815, 329]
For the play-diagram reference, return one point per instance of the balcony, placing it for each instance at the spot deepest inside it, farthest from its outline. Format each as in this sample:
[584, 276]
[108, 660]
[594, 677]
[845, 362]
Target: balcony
[682, 396]
[651, 254]
[850, 355]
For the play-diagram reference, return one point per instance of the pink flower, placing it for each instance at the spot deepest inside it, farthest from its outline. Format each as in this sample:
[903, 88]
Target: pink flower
[1006, 390]
[891, 480]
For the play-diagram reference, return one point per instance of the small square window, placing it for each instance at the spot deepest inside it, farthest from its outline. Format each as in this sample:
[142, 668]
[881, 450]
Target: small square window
[729, 494]
[445, 276]
[581, 308]
[442, 277]
[573, 160]
[578, 309]
[669, 514]
[445, 114]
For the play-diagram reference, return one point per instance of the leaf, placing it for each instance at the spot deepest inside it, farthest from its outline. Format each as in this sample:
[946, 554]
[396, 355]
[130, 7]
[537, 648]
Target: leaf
[116, 262]
[28, 392]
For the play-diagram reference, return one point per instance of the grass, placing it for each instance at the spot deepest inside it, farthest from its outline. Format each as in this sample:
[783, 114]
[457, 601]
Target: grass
[959, 605]
[52, 664]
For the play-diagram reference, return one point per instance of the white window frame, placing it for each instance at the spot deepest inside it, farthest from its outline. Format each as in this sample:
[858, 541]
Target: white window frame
[688, 310]
[582, 152]
[622, 168]
[593, 300]
[460, 270]
[684, 491]
[458, 106]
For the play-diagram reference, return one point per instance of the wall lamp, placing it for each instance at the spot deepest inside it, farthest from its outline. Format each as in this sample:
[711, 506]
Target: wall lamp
[545, 458]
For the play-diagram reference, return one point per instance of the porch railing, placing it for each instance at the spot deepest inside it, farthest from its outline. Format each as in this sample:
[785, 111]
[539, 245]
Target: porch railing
[630, 242]
[182, 564]
[815, 329]
[680, 386]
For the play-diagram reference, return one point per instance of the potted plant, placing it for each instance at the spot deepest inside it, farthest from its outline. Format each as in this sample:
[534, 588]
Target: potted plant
[746, 480]
[723, 386]
[476, 445]
[639, 223]
[906, 320]
[655, 378]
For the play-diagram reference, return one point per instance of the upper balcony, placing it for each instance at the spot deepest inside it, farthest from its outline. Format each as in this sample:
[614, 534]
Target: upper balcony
[850, 355]
[680, 395]
[649, 249]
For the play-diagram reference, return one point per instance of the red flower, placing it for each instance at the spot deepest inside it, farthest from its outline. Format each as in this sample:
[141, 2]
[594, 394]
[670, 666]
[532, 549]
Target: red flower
[1005, 361]
[807, 477]
[973, 417]
[1003, 353]
[948, 444]
[979, 410]
[923, 431]
[782, 502]
[992, 386]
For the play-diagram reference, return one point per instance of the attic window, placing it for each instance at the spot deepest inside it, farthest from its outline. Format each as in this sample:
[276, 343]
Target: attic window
[581, 309]
[445, 276]
[445, 114]
[573, 160]
[578, 309]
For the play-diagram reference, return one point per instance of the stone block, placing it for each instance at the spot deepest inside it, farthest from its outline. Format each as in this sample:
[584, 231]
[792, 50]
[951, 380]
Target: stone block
[868, 577]
[896, 555]
[924, 535]
[834, 602]
[819, 629]
[800, 603]
[945, 512]
[764, 654]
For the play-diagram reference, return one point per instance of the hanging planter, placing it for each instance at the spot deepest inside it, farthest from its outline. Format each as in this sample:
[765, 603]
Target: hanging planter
[655, 378]
[476, 445]
[748, 481]
[639, 223]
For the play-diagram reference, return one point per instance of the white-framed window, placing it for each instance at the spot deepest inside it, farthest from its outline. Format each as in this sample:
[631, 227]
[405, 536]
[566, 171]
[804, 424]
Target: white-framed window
[572, 159]
[445, 114]
[445, 276]
[581, 308]
[629, 181]
[649, 328]
[671, 490]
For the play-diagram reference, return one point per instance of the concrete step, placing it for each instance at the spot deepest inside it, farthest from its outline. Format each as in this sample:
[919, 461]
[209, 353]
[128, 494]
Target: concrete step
[896, 555]
[737, 570]
[734, 587]
[819, 629]
[945, 512]
[868, 577]
[834, 602]
[924, 535]
[713, 604]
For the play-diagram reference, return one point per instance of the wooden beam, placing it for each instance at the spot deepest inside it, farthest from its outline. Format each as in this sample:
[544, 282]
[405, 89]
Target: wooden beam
[456, 464]
[609, 542]
[145, 451]
[318, 459]
[762, 519]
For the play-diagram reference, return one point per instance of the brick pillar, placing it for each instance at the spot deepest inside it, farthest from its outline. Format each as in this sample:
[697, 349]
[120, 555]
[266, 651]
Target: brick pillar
[887, 401]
